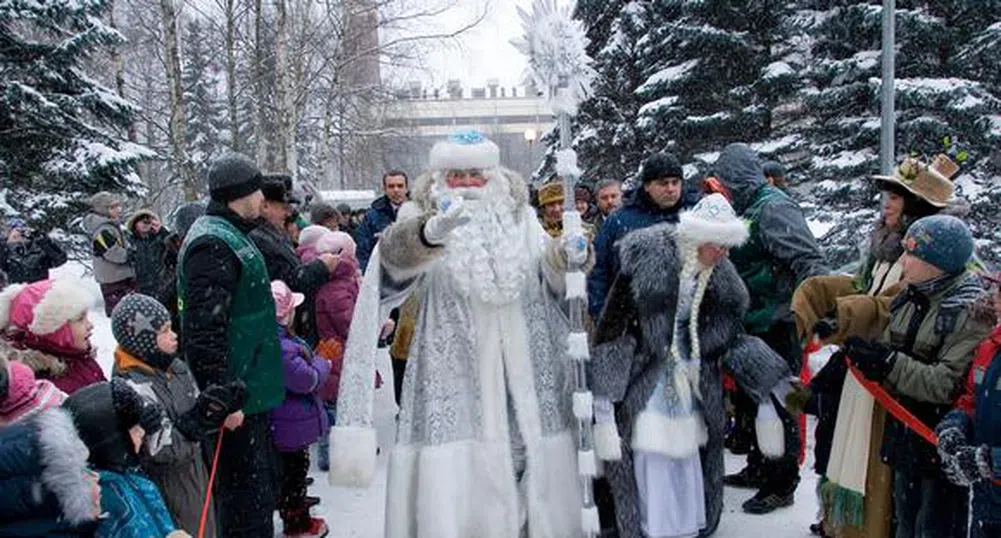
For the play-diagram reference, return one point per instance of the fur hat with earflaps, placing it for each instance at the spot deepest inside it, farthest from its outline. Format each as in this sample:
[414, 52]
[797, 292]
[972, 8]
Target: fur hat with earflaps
[931, 183]
[45, 308]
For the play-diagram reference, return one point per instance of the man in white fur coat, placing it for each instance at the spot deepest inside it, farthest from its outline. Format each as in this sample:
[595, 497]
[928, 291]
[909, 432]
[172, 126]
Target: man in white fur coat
[486, 439]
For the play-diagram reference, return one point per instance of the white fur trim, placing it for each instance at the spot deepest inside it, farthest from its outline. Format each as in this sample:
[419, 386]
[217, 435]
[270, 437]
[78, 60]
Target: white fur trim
[587, 463]
[64, 465]
[576, 285]
[467, 489]
[408, 210]
[607, 443]
[697, 231]
[7, 301]
[583, 405]
[589, 521]
[447, 155]
[64, 302]
[674, 437]
[577, 346]
[769, 432]
[352, 456]
[566, 163]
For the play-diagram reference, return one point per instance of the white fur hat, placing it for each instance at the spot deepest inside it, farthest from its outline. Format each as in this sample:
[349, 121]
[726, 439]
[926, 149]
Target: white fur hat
[712, 220]
[465, 150]
[44, 307]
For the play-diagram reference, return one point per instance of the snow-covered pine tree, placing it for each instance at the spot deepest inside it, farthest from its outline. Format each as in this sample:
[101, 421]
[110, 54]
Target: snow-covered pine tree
[606, 139]
[715, 70]
[205, 109]
[61, 132]
[940, 105]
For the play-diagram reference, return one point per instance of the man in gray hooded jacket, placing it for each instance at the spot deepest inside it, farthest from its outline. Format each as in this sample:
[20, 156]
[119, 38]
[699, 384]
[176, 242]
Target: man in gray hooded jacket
[112, 256]
[780, 254]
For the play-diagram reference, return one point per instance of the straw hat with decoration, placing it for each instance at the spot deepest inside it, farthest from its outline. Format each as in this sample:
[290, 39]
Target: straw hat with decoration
[931, 183]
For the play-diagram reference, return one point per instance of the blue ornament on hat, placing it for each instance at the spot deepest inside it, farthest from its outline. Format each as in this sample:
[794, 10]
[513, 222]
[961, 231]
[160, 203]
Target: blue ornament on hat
[941, 240]
[465, 150]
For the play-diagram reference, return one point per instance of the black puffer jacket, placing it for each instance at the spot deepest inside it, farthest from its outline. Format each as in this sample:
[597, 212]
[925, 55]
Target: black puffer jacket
[147, 258]
[284, 264]
[29, 261]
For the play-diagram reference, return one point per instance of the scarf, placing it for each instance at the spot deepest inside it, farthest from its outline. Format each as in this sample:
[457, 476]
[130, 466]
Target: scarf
[966, 292]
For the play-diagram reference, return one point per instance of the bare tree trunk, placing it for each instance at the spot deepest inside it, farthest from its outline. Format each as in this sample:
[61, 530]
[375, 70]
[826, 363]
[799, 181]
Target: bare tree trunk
[283, 97]
[119, 66]
[260, 97]
[178, 121]
[234, 120]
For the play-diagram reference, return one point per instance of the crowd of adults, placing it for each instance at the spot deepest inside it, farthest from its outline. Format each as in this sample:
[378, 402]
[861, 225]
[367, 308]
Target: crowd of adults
[244, 279]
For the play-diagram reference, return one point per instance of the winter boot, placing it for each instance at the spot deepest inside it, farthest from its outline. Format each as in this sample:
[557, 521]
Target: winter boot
[748, 478]
[768, 500]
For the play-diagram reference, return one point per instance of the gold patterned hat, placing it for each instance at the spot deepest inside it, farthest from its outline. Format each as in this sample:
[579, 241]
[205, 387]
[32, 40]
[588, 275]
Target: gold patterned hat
[551, 192]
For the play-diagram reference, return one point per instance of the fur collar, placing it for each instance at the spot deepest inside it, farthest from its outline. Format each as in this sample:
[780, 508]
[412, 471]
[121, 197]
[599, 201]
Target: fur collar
[41, 363]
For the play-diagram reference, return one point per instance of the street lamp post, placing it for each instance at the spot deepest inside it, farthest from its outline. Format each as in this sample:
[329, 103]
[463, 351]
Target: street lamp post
[887, 154]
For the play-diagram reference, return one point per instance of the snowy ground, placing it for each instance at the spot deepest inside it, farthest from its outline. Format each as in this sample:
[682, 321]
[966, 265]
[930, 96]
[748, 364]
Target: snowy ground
[353, 513]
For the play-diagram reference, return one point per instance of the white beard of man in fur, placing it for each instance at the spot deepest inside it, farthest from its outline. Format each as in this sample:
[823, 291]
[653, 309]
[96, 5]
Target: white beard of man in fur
[485, 443]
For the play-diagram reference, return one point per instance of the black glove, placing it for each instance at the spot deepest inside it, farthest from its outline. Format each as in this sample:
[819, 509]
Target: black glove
[969, 465]
[874, 359]
[825, 328]
[211, 408]
[151, 418]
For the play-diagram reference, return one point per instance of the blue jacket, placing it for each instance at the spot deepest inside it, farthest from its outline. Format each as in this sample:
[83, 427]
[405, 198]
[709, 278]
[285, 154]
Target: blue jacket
[380, 215]
[637, 213]
[134, 506]
[43, 491]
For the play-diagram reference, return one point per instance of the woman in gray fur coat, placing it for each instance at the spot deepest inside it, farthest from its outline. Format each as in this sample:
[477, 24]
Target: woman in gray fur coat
[673, 320]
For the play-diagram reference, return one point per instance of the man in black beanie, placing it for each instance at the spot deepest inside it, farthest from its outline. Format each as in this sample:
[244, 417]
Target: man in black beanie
[228, 322]
[660, 199]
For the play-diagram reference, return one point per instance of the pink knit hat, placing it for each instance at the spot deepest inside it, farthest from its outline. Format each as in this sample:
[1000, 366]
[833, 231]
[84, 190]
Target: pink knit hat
[45, 308]
[27, 396]
[336, 243]
[286, 300]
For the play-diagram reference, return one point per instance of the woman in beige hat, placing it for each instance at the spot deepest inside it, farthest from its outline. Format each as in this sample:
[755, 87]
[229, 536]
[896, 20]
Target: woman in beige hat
[857, 491]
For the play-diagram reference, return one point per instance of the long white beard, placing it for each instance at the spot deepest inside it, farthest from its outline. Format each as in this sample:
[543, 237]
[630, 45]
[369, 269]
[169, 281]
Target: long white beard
[487, 257]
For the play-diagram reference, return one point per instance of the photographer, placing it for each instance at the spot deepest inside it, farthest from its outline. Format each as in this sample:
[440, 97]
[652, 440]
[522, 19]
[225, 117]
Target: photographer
[27, 255]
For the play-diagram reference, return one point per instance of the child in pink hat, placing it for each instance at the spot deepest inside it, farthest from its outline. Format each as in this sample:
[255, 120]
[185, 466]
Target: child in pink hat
[301, 420]
[44, 326]
[23, 396]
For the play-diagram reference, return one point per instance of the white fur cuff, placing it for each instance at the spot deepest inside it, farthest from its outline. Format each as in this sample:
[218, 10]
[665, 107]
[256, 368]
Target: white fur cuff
[589, 521]
[587, 463]
[352, 456]
[577, 346]
[769, 432]
[583, 405]
[576, 285]
[607, 443]
[674, 437]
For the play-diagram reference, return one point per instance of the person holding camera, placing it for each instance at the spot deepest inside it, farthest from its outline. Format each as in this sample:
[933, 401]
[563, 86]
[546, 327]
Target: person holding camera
[27, 255]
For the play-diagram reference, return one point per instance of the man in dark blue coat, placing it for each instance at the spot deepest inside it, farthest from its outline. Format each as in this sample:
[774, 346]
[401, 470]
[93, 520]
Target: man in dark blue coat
[659, 199]
[381, 214]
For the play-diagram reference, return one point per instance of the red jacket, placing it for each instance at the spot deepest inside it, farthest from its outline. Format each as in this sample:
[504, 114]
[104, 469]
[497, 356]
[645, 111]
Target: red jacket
[985, 353]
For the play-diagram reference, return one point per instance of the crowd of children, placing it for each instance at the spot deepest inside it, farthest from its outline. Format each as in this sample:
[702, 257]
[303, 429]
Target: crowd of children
[131, 457]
